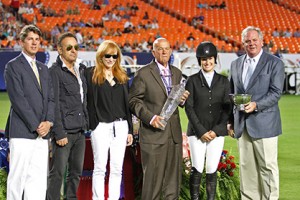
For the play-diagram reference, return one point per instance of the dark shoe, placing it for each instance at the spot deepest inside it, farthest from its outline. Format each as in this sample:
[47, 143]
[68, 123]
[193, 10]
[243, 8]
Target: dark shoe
[195, 180]
[211, 185]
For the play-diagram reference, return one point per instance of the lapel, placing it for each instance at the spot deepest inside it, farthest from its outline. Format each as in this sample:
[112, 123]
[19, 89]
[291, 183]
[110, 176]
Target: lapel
[202, 79]
[43, 78]
[260, 65]
[239, 68]
[214, 80]
[154, 70]
[28, 68]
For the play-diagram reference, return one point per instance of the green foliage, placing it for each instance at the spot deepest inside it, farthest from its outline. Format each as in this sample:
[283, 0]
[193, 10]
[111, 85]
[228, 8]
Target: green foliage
[228, 184]
[3, 182]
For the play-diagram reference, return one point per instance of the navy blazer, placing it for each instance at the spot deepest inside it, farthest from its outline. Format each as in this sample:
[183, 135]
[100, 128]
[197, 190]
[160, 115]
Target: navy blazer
[30, 103]
[208, 108]
[265, 86]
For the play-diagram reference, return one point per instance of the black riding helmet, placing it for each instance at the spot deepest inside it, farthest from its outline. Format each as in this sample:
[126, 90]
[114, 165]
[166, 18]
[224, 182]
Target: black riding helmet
[206, 49]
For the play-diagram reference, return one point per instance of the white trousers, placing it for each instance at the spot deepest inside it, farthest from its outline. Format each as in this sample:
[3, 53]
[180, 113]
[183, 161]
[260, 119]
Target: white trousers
[210, 150]
[108, 139]
[28, 169]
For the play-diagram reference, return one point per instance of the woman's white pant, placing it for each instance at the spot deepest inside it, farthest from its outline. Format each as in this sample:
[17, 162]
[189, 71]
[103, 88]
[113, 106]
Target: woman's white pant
[108, 139]
[210, 150]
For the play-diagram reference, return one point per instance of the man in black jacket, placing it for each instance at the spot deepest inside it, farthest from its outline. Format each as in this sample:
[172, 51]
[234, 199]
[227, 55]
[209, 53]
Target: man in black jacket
[71, 119]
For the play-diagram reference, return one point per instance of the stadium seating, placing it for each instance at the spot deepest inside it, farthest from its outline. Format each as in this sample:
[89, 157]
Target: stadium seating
[221, 26]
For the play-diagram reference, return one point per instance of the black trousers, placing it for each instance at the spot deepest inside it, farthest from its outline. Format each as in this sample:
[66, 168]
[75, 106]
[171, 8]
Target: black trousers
[71, 155]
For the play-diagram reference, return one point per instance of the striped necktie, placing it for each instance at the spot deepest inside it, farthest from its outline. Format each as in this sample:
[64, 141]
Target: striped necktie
[249, 65]
[35, 71]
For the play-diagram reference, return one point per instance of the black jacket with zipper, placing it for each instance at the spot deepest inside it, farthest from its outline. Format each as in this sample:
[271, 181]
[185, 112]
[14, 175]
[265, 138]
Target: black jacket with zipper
[70, 112]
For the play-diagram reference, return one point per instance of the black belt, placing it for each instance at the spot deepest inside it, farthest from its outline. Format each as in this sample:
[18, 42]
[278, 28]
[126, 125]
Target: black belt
[120, 119]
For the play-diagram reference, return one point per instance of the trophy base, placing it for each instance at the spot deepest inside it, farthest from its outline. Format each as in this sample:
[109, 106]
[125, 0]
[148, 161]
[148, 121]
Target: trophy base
[164, 122]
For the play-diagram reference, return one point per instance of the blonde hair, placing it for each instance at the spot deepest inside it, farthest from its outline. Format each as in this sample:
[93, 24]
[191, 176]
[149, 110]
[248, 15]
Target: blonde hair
[118, 72]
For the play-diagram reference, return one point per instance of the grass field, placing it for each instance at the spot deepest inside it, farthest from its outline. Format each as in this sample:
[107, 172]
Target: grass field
[289, 142]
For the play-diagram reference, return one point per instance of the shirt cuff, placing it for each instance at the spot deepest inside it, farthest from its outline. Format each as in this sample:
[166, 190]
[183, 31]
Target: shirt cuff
[153, 119]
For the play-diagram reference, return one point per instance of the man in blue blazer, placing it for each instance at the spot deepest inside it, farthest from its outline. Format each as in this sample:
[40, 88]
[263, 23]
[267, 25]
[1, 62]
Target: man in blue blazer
[30, 119]
[261, 75]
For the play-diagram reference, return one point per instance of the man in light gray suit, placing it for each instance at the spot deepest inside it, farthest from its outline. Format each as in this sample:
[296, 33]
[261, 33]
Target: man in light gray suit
[261, 75]
[30, 119]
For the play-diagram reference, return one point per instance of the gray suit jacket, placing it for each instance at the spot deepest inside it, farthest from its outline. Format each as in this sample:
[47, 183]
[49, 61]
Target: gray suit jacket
[30, 105]
[147, 96]
[265, 86]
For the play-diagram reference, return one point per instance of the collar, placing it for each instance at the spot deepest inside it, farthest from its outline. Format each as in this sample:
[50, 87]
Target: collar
[208, 74]
[161, 67]
[76, 64]
[28, 58]
[256, 58]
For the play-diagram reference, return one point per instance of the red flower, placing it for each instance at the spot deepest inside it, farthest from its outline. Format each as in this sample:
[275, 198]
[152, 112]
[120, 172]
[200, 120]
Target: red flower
[225, 152]
[233, 166]
[230, 173]
[231, 157]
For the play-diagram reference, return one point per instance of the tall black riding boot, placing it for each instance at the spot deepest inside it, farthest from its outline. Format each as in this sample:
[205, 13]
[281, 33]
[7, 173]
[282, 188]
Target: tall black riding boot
[195, 180]
[211, 185]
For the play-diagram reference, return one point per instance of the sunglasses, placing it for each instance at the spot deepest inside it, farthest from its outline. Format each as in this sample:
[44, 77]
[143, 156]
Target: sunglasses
[69, 47]
[109, 56]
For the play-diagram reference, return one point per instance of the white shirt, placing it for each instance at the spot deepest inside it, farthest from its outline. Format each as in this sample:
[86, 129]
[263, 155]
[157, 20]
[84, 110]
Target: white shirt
[253, 63]
[208, 76]
[29, 59]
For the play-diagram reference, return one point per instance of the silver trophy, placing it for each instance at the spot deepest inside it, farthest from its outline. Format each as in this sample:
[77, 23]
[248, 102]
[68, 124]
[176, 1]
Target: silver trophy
[240, 100]
[172, 103]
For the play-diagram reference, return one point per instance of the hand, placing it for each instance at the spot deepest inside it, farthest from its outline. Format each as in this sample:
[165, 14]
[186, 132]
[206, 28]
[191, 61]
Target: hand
[184, 97]
[212, 134]
[230, 130]
[129, 140]
[250, 107]
[156, 123]
[62, 142]
[43, 128]
[206, 137]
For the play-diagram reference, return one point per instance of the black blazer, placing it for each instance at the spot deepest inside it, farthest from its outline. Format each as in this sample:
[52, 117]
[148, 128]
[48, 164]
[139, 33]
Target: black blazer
[93, 110]
[30, 105]
[208, 108]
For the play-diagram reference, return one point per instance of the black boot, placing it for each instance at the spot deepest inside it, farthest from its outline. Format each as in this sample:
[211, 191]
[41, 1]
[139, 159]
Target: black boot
[195, 180]
[211, 185]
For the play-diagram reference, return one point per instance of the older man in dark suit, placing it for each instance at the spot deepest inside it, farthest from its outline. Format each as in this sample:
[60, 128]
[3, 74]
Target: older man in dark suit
[161, 150]
[31, 117]
[261, 75]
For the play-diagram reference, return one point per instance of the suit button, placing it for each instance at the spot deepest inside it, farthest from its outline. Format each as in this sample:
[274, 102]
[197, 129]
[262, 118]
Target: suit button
[209, 98]
[209, 105]
[79, 114]
[209, 91]
[209, 112]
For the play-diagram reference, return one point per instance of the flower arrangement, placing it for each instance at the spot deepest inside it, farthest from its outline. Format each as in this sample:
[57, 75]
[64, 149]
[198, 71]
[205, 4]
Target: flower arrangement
[3, 165]
[228, 187]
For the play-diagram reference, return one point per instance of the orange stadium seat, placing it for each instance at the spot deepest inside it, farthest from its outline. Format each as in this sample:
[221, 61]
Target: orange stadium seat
[172, 16]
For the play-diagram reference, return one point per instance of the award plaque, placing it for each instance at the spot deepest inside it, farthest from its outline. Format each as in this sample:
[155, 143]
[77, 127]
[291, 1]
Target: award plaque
[240, 100]
[172, 103]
